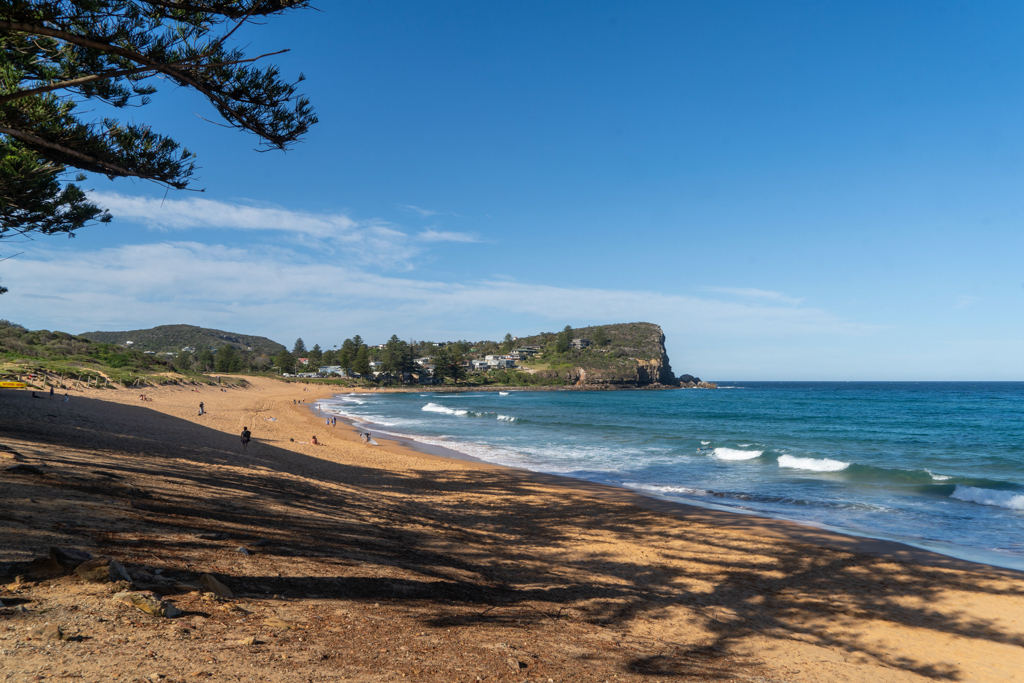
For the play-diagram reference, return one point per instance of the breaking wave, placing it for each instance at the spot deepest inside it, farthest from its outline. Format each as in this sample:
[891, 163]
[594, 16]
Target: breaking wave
[434, 408]
[734, 454]
[812, 464]
[1003, 499]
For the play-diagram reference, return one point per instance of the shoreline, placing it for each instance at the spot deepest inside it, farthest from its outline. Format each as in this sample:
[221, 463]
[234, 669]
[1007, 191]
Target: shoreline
[388, 562]
[905, 549]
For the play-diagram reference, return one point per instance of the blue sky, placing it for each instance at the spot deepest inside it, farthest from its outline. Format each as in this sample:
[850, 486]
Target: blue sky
[817, 191]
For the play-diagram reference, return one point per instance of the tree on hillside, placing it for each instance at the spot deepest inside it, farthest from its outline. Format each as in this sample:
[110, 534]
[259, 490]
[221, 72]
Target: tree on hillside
[205, 360]
[330, 357]
[57, 55]
[599, 337]
[228, 359]
[299, 350]
[315, 356]
[449, 363]
[361, 364]
[285, 362]
[564, 339]
[397, 357]
[507, 344]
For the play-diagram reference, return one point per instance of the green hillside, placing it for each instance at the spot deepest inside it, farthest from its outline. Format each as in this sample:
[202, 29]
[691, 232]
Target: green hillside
[176, 337]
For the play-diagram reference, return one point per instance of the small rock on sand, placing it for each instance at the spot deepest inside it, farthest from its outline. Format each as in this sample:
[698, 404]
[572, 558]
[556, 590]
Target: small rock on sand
[150, 603]
[514, 664]
[243, 550]
[215, 586]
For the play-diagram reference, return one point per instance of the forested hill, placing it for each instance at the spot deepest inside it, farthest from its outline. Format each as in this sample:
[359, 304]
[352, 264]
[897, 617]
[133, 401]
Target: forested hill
[643, 340]
[177, 337]
[624, 354]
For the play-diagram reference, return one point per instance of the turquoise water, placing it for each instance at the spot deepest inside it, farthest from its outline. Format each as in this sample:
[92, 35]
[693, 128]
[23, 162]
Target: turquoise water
[938, 464]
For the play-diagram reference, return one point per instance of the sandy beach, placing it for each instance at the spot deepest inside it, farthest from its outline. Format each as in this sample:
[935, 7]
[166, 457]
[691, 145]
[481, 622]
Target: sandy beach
[354, 562]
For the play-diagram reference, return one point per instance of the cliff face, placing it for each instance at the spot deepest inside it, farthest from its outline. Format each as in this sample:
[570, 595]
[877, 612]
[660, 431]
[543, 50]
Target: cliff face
[634, 356]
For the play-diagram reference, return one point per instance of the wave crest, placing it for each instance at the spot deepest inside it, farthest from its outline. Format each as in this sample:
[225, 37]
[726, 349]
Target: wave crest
[734, 454]
[812, 464]
[1003, 499]
[435, 408]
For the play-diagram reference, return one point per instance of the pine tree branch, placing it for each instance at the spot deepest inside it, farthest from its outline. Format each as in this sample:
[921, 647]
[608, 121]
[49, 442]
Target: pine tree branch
[37, 141]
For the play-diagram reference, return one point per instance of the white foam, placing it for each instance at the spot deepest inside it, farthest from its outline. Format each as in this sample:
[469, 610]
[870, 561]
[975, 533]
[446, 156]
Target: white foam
[502, 393]
[744, 445]
[665, 489]
[733, 454]
[507, 418]
[938, 477]
[434, 408]
[1002, 499]
[813, 464]
[704, 443]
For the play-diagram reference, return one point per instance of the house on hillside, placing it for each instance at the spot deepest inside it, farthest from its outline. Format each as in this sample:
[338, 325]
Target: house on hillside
[580, 343]
[303, 361]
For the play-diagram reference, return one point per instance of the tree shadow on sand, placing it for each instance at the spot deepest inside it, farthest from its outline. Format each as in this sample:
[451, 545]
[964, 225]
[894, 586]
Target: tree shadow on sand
[475, 543]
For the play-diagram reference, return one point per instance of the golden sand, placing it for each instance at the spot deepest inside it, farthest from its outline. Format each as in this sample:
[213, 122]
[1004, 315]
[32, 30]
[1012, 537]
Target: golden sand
[385, 563]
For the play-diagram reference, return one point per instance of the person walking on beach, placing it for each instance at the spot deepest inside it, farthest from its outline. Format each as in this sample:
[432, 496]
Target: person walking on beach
[202, 411]
[246, 436]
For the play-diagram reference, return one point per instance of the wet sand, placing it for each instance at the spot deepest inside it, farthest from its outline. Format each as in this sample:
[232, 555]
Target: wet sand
[573, 580]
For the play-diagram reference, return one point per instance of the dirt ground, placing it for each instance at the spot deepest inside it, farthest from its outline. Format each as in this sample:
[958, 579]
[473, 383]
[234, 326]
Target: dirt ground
[360, 563]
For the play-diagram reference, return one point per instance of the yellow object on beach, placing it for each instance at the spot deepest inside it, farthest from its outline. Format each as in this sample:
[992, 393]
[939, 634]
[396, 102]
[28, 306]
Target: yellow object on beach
[12, 385]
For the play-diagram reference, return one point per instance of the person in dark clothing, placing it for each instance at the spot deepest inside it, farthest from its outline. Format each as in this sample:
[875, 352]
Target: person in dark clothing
[202, 411]
[246, 436]
[51, 392]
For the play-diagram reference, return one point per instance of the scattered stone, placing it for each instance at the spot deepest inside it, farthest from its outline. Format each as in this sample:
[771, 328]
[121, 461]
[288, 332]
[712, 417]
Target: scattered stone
[515, 664]
[149, 603]
[251, 640]
[52, 632]
[118, 572]
[95, 571]
[212, 536]
[157, 676]
[69, 559]
[215, 586]
[25, 469]
[142, 575]
[243, 550]
[274, 622]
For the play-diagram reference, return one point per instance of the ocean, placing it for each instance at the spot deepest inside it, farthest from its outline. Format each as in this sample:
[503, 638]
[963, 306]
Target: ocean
[938, 465]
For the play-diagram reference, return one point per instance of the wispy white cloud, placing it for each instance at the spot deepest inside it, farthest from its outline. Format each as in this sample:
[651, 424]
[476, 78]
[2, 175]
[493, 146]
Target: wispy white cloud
[446, 236]
[426, 213]
[273, 292]
[374, 240]
[752, 293]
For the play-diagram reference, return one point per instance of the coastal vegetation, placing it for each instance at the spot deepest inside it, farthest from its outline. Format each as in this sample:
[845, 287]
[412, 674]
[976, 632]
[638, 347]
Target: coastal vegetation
[622, 355]
[111, 54]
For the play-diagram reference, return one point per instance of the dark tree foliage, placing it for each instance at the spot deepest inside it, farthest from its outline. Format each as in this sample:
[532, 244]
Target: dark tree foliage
[361, 363]
[564, 340]
[58, 54]
[449, 363]
[299, 350]
[315, 356]
[397, 357]
[285, 362]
